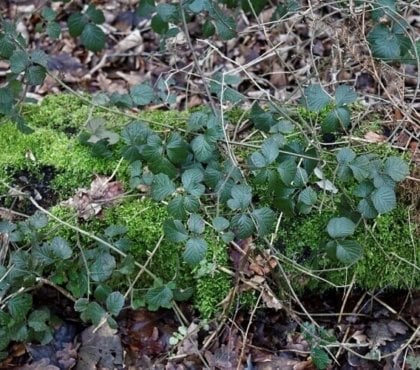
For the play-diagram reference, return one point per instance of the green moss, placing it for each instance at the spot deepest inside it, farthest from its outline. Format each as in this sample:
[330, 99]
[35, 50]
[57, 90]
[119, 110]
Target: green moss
[388, 260]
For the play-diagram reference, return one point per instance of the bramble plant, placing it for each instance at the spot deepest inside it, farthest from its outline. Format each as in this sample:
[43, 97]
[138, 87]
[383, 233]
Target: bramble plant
[193, 172]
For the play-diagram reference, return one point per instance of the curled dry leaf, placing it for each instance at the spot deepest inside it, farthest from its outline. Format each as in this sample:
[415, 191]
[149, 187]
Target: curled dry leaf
[89, 202]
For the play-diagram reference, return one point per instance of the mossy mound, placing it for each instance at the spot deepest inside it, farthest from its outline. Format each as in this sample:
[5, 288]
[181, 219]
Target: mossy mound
[390, 253]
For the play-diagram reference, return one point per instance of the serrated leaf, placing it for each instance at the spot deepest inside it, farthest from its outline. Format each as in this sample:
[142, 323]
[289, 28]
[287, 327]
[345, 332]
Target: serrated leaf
[114, 303]
[19, 306]
[270, 150]
[384, 43]
[162, 186]
[142, 94]
[315, 98]
[103, 266]
[176, 208]
[336, 119]
[396, 168]
[93, 38]
[53, 30]
[344, 95]
[340, 227]
[36, 75]
[191, 203]
[384, 199]
[287, 171]
[94, 14]
[308, 196]
[76, 24]
[225, 28]
[94, 312]
[208, 29]
[345, 156]
[168, 12]
[196, 224]
[242, 225]
[320, 358]
[203, 150]
[159, 297]
[81, 304]
[7, 47]
[195, 250]
[264, 218]
[360, 168]
[366, 209]
[145, 8]
[175, 231]
[61, 248]
[197, 121]
[39, 57]
[176, 148]
[159, 25]
[48, 14]
[348, 251]
[19, 61]
[37, 319]
[220, 223]
[196, 6]
[191, 180]
[241, 197]
[262, 120]
[363, 189]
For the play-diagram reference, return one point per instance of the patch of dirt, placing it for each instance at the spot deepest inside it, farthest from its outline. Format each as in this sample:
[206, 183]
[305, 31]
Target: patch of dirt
[37, 184]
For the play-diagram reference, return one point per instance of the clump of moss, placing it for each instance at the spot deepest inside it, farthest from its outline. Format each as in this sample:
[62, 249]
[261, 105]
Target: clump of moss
[388, 261]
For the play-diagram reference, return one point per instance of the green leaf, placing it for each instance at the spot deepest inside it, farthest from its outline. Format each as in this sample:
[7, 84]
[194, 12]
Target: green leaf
[175, 231]
[76, 24]
[4, 340]
[177, 149]
[242, 225]
[115, 303]
[95, 15]
[196, 6]
[363, 189]
[176, 208]
[262, 120]
[384, 7]
[61, 248]
[396, 168]
[145, 8]
[336, 119]
[93, 37]
[344, 95]
[159, 25]
[162, 187]
[94, 312]
[308, 196]
[103, 266]
[346, 251]
[196, 224]
[264, 218]
[39, 57]
[53, 30]
[320, 358]
[270, 150]
[37, 319]
[81, 305]
[208, 29]
[197, 121]
[345, 156]
[202, 149]
[167, 12]
[19, 306]
[191, 203]
[257, 6]
[366, 209]
[48, 14]
[226, 28]
[159, 297]
[97, 128]
[195, 250]
[258, 160]
[241, 197]
[315, 98]
[287, 171]
[384, 199]
[340, 227]
[220, 223]
[7, 47]
[19, 61]
[384, 43]
[191, 179]
[142, 94]
[36, 75]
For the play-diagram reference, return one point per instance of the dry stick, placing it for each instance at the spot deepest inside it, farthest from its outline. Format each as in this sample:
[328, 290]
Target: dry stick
[90, 235]
[247, 330]
[65, 293]
[196, 62]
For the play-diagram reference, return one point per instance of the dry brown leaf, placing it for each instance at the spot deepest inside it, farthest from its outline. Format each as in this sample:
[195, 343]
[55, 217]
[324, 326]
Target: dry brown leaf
[373, 137]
